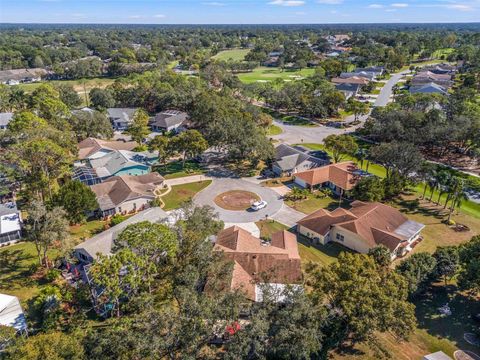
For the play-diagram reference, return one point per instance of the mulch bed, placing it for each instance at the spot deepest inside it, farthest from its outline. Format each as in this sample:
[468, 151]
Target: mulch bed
[236, 200]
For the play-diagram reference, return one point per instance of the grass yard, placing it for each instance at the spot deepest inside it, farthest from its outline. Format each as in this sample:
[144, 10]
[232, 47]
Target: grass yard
[321, 254]
[79, 85]
[87, 230]
[436, 233]
[233, 54]
[16, 262]
[264, 74]
[289, 119]
[442, 52]
[274, 130]
[182, 193]
[314, 202]
[174, 169]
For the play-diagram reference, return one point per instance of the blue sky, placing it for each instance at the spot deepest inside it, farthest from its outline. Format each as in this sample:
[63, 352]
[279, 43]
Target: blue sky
[238, 11]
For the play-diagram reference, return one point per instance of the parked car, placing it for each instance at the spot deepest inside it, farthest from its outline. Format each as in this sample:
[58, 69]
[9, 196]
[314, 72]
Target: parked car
[258, 205]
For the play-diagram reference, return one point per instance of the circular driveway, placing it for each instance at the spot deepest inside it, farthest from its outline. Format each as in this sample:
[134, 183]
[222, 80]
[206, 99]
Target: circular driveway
[221, 185]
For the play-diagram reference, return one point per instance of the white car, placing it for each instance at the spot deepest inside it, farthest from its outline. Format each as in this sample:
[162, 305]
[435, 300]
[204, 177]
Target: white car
[257, 205]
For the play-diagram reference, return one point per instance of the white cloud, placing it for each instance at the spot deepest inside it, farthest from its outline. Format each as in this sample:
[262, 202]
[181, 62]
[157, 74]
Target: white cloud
[399, 5]
[213, 3]
[135, 17]
[287, 2]
[460, 7]
[330, 2]
[376, 6]
[159, 16]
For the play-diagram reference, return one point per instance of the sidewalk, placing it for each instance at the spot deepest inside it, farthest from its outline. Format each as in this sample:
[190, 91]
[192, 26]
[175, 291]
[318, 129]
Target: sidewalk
[187, 180]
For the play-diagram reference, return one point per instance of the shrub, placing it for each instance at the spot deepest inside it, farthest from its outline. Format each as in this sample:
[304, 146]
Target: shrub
[52, 275]
[116, 219]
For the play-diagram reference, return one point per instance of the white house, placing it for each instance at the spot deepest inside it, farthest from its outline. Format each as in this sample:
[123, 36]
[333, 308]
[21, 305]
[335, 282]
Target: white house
[363, 227]
[10, 223]
[5, 119]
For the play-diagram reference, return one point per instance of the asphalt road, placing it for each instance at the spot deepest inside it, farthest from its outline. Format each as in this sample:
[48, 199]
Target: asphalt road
[221, 185]
[384, 97]
[292, 134]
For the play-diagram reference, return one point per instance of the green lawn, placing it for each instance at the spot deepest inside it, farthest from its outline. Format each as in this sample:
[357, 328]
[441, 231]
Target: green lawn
[79, 85]
[314, 202]
[274, 130]
[87, 230]
[321, 254]
[263, 74]
[15, 270]
[290, 119]
[182, 193]
[175, 170]
[443, 52]
[233, 54]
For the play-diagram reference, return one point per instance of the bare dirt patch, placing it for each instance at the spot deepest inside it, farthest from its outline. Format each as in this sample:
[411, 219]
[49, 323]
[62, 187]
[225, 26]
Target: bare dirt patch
[236, 200]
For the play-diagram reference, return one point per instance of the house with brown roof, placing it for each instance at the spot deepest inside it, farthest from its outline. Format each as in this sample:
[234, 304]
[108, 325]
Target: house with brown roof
[259, 263]
[364, 226]
[339, 177]
[357, 80]
[427, 77]
[92, 148]
[126, 193]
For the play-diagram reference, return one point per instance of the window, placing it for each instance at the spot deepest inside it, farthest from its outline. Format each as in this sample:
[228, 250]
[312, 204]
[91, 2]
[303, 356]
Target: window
[340, 237]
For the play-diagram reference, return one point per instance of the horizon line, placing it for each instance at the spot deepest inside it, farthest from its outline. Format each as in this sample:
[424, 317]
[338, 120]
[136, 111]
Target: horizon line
[242, 24]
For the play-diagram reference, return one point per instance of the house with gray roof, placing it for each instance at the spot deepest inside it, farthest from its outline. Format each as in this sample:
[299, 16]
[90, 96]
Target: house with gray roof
[363, 74]
[290, 160]
[349, 89]
[123, 162]
[430, 88]
[5, 118]
[168, 120]
[18, 76]
[377, 70]
[121, 118]
[102, 243]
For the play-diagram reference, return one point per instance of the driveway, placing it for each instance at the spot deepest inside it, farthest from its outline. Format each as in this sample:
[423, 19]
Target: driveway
[288, 216]
[221, 185]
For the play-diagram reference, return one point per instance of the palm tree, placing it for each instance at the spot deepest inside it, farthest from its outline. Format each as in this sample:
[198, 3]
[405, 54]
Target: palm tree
[432, 185]
[361, 155]
[425, 174]
[443, 178]
[458, 194]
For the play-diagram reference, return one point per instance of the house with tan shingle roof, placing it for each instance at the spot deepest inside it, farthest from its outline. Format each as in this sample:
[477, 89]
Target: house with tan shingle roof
[92, 148]
[126, 193]
[258, 263]
[362, 227]
[339, 177]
